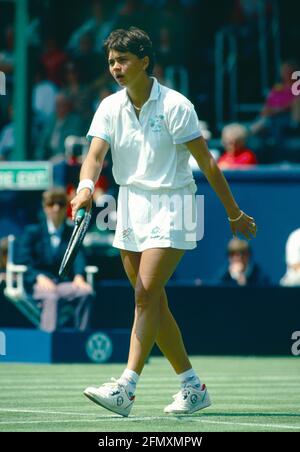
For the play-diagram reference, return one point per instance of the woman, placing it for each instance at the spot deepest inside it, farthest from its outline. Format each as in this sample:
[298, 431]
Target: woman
[236, 154]
[151, 131]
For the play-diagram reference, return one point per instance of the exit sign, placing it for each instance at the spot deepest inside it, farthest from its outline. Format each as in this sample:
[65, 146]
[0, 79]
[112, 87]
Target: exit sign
[25, 175]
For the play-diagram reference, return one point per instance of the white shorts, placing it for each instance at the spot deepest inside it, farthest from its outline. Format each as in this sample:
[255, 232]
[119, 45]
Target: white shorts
[160, 218]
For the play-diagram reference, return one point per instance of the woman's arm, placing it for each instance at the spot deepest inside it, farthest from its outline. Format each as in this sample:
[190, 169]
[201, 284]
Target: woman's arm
[91, 169]
[245, 224]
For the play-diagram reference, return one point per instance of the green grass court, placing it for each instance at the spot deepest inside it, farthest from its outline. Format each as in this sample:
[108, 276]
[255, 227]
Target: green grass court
[248, 393]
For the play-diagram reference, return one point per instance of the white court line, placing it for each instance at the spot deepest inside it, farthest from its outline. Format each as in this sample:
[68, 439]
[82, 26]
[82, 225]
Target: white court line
[153, 418]
[135, 418]
[16, 410]
[158, 387]
[145, 379]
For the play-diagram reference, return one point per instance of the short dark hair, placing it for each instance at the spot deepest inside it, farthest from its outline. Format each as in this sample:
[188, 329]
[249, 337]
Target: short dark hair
[133, 40]
[55, 194]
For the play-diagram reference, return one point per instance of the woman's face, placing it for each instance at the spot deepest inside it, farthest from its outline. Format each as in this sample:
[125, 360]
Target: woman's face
[232, 143]
[126, 68]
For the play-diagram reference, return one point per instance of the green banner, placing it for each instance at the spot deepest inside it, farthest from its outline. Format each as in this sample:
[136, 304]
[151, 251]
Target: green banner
[25, 175]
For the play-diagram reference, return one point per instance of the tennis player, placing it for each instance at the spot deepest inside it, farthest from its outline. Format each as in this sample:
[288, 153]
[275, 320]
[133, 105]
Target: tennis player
[152, 131]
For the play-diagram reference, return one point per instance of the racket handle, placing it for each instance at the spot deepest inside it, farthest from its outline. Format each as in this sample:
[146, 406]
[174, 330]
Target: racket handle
[79, 215]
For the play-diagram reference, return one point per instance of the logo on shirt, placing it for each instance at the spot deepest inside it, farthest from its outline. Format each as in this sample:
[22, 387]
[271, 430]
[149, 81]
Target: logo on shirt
[156, 123]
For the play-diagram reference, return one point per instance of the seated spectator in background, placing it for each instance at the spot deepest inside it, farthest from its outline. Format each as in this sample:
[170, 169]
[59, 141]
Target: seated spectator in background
[54, 59]
[241, 270]
[281, 103]
[91, 65]
[7, 137]
[62, 124]
[78, 93]
[99, 25]
[3, 261]
[42, 249]
[236, 154]
[44, 94]
[7, 59]
[280, 115]
[292, 257]
[7, 64]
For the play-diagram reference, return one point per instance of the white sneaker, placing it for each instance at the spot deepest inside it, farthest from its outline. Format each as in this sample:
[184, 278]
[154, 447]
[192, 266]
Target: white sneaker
[112, 396]
[188, 400]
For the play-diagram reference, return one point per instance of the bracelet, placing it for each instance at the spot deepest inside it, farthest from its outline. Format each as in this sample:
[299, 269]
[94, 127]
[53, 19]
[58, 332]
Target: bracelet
[238, 218]
[86, 183]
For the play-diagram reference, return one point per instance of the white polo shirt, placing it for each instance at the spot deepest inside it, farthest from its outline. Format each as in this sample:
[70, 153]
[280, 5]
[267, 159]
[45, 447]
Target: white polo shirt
[148, 152]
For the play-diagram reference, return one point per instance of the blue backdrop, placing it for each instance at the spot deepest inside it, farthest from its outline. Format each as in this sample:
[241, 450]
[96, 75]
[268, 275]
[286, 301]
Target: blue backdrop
[271, 195]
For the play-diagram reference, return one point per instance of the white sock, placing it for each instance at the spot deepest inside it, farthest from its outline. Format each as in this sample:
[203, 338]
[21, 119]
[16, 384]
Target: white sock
[129, 379]
[189, 377]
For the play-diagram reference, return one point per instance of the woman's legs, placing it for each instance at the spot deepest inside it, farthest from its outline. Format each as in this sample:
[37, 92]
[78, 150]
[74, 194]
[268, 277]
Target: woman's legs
[149, 272]
[169, 339]
[168, 336]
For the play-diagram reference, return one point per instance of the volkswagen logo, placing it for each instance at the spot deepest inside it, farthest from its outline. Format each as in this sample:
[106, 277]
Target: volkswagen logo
[99, 347]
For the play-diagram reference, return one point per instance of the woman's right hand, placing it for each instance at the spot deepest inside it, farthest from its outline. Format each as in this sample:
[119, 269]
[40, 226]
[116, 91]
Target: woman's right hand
[82, 199]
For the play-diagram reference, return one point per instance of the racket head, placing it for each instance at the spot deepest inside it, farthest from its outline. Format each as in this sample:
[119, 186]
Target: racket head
[82, 221]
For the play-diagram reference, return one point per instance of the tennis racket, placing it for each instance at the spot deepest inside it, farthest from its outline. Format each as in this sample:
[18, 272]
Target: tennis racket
[82, 221]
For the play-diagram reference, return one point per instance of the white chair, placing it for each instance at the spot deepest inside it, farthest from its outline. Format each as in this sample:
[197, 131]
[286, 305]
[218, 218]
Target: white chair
[15, 292]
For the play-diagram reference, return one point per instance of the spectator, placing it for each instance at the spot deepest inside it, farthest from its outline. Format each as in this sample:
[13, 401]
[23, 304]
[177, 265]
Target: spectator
[78, 93]
[7, 64]
[99, 26]
[281, 102]
[241, 270]
[44, 93]
[292, 253]
[91, 65]
[166, 49]
[42, 249]
[236, 154]
[64, 123]
[3, 260]
[7, 60]
[54, 60]
[129, 13]
[280, 114]
[7, 137]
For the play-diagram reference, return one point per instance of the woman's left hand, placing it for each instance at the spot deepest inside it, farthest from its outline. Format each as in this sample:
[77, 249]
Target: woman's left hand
[244, 225]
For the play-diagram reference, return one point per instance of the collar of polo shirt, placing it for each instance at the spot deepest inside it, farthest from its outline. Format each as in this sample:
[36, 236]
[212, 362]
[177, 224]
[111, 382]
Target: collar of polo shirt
[155, 91]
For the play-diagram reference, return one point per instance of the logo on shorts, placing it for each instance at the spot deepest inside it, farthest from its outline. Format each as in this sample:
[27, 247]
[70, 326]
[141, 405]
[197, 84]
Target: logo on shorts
[155, 233]
[156, 123]
[126, 233]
